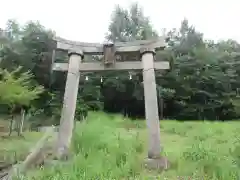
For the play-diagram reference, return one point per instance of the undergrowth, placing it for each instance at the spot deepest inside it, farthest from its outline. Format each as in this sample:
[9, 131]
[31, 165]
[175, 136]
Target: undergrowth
[111, 147]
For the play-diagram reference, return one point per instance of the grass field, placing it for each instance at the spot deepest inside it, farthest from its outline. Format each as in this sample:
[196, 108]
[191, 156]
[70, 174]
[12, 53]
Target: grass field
[16, 148]
[111, 147]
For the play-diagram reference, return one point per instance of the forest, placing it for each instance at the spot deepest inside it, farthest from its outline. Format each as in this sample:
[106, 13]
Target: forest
[202, 84]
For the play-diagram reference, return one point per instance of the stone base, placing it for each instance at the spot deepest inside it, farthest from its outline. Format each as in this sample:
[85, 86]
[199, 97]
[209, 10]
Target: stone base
[160, 163]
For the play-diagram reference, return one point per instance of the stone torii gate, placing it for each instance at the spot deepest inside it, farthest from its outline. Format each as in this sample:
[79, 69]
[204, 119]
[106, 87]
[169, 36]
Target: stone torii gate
[116, 57]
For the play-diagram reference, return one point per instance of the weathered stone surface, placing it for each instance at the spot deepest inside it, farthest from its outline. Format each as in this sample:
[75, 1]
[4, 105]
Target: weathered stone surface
[161, 163]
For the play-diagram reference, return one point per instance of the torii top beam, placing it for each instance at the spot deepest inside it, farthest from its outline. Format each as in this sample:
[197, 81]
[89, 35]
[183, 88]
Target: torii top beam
[120, 47]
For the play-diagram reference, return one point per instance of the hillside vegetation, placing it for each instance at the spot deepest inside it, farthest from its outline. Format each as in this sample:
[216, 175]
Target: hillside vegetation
[112, 147]
[203, 83]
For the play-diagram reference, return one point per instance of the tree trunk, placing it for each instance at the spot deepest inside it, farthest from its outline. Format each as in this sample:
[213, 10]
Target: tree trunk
[11, 126]
[21, 122]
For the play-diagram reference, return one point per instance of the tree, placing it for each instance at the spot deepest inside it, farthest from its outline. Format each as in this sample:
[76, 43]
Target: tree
[30, 46]
[126, 25]
[17, 91]
[130, 25]
[201, 76]
[203, 82]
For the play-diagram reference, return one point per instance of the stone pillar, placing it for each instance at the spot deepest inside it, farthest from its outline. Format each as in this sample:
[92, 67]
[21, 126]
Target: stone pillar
[151, 104]
[69, 103]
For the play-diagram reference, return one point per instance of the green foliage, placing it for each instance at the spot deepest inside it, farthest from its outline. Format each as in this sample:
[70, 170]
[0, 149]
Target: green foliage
[16, 88]
[203, 82]
[17, 148]
[113, 147]
[129, 25]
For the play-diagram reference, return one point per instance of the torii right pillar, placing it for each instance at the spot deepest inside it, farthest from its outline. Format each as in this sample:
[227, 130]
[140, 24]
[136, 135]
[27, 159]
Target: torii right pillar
[155, 160]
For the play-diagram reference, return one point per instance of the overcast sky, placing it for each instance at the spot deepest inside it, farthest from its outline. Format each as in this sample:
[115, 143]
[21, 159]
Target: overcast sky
[87, 20]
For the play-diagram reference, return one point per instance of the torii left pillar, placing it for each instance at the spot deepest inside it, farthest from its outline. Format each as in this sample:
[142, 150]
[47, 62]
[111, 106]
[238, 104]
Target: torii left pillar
[69, 103]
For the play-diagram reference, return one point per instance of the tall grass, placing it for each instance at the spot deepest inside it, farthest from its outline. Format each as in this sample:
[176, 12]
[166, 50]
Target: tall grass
[111, 147]
[16, 148]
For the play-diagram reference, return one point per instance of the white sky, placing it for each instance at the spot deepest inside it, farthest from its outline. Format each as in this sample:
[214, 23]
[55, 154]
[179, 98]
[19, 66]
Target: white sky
[87, 20]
